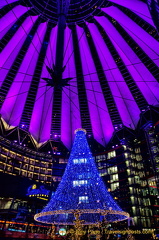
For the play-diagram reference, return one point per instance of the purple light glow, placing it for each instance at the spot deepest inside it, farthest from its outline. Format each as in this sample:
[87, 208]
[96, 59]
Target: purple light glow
[40, 126]
[133, 63]
[94, 94]
[10, 52]
[138, 7]
[17, 95]
[42, 111]
[6, 2]
[70, 114]
[145, 40]
[126, 105]
[10, 18]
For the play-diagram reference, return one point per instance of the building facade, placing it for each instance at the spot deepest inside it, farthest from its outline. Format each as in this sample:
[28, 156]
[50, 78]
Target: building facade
[130, 170]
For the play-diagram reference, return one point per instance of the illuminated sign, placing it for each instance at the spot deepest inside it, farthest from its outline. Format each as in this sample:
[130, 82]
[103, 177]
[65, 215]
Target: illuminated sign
[62, 231]
[39, 192]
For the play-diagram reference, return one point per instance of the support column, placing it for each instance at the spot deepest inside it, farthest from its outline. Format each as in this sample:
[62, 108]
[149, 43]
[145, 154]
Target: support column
[62, 10]
[62, 7]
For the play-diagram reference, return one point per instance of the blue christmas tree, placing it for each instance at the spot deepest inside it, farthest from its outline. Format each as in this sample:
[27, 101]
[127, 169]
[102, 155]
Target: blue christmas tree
[81, 190]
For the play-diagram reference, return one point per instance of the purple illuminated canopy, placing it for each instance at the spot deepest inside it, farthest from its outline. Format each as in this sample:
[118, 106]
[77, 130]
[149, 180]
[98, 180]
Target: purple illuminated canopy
[111, 54]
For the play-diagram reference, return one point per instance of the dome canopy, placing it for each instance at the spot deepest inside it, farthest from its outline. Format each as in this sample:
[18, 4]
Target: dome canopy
[110, 57]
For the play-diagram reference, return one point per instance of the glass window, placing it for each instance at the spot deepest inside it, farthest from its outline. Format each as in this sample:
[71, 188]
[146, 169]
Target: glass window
[127, 163]
[137, 150]
[126, 155]
[137, 179]
[133, 199]
[111, 154]
[124, 146]
[30, 175]
[131, 180]
[114, 186]
[114, 177]
[131, 190]
[31, 168]
[112, 170]
[138, 157]
[134, 210]
[132, 156]
[24, 173]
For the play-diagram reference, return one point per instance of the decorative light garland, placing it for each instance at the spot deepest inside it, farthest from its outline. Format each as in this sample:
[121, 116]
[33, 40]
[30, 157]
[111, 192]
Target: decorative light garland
[81, 211]
[81, 192]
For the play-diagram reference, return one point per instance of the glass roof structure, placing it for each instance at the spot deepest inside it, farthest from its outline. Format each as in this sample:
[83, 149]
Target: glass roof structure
[110, 56]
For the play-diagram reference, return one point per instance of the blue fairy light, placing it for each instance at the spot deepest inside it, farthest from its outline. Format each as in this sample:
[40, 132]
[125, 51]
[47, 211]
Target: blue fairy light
[82, 189]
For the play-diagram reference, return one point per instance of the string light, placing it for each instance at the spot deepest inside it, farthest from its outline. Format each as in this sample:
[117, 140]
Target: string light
[81, 191]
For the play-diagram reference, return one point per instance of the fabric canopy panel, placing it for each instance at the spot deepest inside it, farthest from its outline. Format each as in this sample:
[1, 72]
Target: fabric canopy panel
[111, 52]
